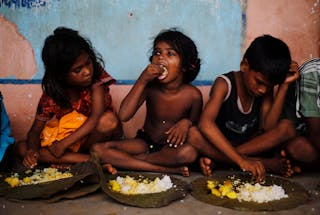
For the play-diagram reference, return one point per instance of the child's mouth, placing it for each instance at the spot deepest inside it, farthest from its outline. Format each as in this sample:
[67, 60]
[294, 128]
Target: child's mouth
[164, 73]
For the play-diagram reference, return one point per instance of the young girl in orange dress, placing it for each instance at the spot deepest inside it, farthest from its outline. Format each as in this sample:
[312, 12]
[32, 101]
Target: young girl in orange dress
[75, 109]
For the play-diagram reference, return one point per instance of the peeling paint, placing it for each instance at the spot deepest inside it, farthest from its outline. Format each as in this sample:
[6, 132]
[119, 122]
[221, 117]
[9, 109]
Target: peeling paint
[17, 56]
[24, 3]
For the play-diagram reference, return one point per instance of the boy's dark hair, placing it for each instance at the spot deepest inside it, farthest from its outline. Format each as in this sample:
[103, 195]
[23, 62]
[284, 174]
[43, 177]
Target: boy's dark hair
[186, 49]
[60, 51]
[269, 56]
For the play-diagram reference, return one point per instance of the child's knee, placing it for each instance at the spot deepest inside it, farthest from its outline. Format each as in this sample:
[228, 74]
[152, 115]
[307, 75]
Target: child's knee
[96, 147]
[100, 147]
[187, 155]
[301, 150]
[108, 122]
[103, 147]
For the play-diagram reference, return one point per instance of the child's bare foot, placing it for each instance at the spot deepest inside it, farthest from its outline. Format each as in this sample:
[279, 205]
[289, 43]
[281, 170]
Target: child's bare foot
[296, 169]
[206, 166]
[109, 168]
[185, 171]
[56, 149]
[278, 166]
[61, 166]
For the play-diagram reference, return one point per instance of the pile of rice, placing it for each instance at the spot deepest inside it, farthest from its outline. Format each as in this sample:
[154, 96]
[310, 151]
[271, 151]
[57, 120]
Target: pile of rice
[260, 193]
[129, 185]
[37, 177]
[244, 191]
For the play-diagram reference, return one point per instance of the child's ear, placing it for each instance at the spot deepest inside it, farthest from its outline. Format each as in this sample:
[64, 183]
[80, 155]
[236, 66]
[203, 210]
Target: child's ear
[244, 65]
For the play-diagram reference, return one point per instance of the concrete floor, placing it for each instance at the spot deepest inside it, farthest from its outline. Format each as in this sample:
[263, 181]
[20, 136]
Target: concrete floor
[98, 203]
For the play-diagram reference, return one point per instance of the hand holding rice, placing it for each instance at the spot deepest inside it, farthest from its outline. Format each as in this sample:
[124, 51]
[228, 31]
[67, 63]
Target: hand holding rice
[164, 73]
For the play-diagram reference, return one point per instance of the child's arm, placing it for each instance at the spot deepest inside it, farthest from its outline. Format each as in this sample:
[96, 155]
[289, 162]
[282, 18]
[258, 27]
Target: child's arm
[211, 131]
[272, 108]
[33, 144]
[98, 108]
[177, 134]
[137, 94]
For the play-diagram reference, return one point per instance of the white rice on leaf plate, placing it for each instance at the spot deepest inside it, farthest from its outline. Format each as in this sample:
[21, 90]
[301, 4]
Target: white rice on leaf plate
[145, 190]
[277, 193]
[44, 183]
[260, 193]
[131, 186]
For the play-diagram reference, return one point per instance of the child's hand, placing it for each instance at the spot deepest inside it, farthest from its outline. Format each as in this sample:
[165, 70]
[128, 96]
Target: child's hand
[57, 149]
[31, 159]
[151, 72]
[177, 134]
[293, 73]
[255, 167]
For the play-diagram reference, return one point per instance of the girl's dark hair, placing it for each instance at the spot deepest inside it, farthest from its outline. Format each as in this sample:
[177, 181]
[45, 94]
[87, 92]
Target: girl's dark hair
[269, 56]
[186, 49]
[59, 53]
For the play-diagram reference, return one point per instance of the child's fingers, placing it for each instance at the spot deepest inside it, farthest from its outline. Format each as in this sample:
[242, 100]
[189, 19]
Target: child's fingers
[172, 141]
[170, 135]
[152, 71]
[31, 159]
[293, 73]
[26, 163]
[259, 172]
[180, 140]
[156, 70]
[169, 131]
[294, 65]
[29, 163]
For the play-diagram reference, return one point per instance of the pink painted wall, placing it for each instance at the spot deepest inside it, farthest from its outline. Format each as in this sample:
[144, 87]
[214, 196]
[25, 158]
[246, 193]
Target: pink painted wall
[296, 22]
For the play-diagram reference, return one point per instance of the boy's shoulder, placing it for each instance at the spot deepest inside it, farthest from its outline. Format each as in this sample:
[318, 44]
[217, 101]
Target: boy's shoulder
[227, 80]
[193, 90]
[228, 77]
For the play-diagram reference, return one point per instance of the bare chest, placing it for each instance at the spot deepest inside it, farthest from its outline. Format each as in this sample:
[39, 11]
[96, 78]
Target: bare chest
[169, 108]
